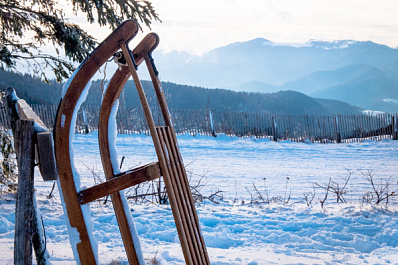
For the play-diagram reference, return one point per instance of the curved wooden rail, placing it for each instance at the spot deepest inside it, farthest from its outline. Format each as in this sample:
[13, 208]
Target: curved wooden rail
[112, 93]
[62, 134]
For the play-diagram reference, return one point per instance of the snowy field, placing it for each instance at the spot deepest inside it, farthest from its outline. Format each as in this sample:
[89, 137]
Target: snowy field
[242, 228]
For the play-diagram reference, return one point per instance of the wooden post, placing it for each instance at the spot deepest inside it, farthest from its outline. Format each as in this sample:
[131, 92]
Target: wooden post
[24, 213]
[213, 133]
[394, 127]
[336, 129]
[27, 223]
[86, 129]
[274, 129]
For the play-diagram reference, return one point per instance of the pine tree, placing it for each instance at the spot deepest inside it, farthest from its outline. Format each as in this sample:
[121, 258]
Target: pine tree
[25, 25]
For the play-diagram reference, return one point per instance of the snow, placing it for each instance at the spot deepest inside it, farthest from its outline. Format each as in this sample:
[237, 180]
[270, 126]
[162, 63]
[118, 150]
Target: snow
[39, 128]
[373, 112]
[104, 90]
[69, 81]
[74, 236]
[391, 100]
[112, 138]
[236, 230]
[63, 117]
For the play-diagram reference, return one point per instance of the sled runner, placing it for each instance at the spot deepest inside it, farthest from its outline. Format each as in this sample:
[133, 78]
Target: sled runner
[169, 164]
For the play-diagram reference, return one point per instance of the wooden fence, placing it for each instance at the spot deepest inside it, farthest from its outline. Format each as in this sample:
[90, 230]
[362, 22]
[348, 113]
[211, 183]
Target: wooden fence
[299, 128]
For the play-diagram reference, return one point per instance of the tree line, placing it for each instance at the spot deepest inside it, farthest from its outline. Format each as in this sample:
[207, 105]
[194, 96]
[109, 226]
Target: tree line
[183, 97]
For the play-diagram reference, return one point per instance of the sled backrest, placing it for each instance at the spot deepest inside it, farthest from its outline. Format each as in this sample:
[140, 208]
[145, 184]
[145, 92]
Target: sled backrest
[170, 164]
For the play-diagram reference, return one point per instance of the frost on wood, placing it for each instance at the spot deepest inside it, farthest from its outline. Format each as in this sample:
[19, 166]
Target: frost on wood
[112, 135]
[74, 236]
[82, 98]
[133, 230]
[63, 120]
[103, 91]
[39, 128]
[69, 81]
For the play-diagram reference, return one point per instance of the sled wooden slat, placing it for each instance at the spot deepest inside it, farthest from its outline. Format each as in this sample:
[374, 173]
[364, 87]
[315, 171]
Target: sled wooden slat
[179, 196]
[120, 182]
[174, 151]
[183, 179]
[182, 203]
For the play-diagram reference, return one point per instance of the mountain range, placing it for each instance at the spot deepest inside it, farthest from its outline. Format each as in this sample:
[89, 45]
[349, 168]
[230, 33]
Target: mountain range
[361, 73]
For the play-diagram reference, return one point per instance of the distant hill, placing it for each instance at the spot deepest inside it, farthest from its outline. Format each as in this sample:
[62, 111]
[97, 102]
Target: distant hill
[359, 84]
[191, 97]
[187, 97]
[320, 80]
[264, 61]
[391, 69]
[255, 86]
[31, 89]
[374, 92]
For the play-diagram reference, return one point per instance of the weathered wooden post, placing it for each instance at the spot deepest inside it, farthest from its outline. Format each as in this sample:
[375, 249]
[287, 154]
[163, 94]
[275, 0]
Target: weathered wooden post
[394, 127]
[29, 130]
[86, 130]
[274, 129]
[24, 147]
[337, 130]
[213, 132]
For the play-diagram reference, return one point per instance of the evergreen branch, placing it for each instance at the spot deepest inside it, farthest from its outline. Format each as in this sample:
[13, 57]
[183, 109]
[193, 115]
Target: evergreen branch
[44, 19]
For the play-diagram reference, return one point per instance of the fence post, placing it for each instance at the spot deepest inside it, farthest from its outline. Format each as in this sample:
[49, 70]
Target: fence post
[28, 227]
[337, 130]
[274, 129]
[86, 130]
[213, 133]
[24, 214]
[394, 127]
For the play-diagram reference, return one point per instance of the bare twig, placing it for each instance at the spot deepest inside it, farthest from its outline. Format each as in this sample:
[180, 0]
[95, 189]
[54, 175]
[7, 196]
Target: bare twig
[309, 197]
[326, 189]
[51, 192]
[379, 192]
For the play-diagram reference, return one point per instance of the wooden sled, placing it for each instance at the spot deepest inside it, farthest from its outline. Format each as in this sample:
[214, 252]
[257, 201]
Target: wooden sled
[170, 164]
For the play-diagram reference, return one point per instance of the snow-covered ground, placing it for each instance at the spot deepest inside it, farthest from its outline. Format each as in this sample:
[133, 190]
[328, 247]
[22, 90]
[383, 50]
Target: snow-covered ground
[241, 228]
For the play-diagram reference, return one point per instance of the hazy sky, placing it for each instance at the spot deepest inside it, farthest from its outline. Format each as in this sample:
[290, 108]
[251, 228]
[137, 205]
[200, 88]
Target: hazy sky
[197, 26]
[201, 25]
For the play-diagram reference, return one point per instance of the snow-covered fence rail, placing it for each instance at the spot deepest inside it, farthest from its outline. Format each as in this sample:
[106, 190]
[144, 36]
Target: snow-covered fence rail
[324, 129]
